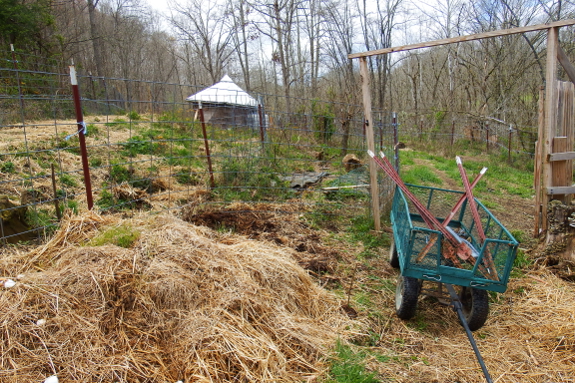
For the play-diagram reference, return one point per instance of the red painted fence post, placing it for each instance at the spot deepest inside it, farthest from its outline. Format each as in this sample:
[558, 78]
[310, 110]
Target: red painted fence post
[81, 136]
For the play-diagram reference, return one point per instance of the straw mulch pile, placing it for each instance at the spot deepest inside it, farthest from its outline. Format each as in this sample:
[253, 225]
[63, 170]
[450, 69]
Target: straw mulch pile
[184, 302]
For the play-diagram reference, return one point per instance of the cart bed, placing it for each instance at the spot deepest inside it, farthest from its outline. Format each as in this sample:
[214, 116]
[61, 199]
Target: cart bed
[411, 235]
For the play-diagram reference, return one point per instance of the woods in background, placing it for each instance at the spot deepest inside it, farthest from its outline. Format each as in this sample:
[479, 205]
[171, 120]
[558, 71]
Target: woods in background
[299, 48]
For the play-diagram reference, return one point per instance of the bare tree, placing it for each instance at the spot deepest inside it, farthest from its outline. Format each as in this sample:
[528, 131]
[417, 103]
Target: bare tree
[278, 20]
[96, 37]
[238, 13]
[201, 24]
[341, 32]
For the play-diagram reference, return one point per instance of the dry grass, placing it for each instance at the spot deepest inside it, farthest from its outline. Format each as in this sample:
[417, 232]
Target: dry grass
[184, 302]
[188, 302]
[529, 337]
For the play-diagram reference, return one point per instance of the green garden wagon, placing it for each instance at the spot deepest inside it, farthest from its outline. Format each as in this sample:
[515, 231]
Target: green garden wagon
[468, 279]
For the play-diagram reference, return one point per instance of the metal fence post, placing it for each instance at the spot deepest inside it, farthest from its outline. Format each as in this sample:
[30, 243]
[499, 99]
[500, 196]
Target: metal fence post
[261, 118]
[420, 130]
[395, 141]
[509, 143]
[487, 134]
[206, 144]
[81, 136]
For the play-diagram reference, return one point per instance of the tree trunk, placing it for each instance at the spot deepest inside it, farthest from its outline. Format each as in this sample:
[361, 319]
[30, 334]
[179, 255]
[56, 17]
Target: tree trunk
[95, 36]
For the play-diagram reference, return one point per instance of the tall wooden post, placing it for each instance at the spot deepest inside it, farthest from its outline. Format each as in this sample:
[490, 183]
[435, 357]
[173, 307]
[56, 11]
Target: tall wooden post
[370, 141]
[550, 119]
[538, 163]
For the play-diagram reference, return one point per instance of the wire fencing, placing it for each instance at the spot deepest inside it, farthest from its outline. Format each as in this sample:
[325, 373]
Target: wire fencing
[153, 146]
[452, 128]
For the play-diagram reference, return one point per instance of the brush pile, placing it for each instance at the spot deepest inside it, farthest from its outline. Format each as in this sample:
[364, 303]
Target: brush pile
[182, 303]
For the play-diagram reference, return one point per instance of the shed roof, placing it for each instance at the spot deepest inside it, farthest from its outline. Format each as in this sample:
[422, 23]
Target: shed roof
[224, 92]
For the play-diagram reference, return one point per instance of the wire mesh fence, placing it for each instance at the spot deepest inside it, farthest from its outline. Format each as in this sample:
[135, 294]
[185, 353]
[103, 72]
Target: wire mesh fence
[160, 146]
[494, 134]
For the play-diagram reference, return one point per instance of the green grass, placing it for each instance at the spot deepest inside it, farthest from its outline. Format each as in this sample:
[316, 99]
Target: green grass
[122, 236]
[7, 167]
[95, 162]
[361, 230]
[348, 366]
[420, 175]
[118, 124]
[68, 180]
[501, 177]
[133, 115]
[187, 177]
[119, 174]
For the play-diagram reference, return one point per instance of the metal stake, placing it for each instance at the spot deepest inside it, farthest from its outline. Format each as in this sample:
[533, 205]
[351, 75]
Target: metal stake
[81, 136]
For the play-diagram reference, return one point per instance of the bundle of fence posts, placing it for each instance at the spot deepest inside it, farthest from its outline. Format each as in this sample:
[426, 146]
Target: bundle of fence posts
[455, 248]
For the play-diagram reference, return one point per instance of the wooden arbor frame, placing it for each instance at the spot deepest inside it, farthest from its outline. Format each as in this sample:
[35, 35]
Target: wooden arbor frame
[547, 154]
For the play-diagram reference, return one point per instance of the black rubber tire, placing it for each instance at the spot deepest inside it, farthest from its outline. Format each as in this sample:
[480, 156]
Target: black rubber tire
[393, 257]
[475, 308]
[406, 294]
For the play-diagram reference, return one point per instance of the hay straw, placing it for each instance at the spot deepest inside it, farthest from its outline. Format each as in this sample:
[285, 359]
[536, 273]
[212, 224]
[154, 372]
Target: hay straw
[529, 337]
[177, 305]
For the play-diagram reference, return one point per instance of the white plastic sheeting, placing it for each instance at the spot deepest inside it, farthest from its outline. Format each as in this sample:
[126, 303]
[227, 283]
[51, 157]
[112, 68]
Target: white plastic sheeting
[224, 92]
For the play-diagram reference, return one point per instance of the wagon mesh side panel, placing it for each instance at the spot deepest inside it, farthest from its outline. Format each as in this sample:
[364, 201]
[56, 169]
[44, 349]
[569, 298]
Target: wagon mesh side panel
[401, 223]
[438, 202]
[499, 252]
[420, 238]
[498, 242]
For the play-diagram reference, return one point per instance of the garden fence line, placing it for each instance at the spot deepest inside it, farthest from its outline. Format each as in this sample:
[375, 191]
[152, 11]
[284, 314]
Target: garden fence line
[149, 148]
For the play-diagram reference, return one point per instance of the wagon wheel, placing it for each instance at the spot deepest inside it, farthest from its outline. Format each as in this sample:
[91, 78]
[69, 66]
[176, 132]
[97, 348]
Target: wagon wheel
[475, 306]
[406, 294]
[393, 257]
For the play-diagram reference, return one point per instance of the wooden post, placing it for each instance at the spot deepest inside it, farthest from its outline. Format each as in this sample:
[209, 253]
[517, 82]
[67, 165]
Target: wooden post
[55, 190]
[550, 118]
[568, 130]
[368, 123]
[538, 164]
[560, 173]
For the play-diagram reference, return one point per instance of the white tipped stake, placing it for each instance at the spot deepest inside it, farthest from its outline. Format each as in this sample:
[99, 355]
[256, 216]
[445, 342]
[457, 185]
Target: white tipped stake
[458, 160]
[73, 79]
[381, 154]
[371, 154]
[482, 172]
[51, 379]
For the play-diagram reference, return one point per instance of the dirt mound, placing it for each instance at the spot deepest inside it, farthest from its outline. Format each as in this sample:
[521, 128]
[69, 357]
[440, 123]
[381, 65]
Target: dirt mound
[183, 302]
[268, 222]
